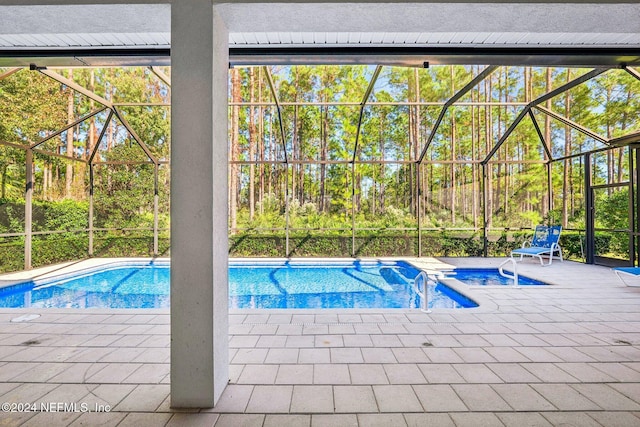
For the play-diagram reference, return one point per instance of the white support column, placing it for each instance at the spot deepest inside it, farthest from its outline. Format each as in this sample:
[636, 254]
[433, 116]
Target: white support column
[199, 242]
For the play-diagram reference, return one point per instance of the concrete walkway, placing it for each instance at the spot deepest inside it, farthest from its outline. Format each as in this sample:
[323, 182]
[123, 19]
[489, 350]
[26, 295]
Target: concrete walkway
[562, 355]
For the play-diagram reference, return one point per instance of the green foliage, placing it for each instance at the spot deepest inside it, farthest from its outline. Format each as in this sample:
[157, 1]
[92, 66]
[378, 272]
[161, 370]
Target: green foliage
[70, 216]
[386, 243]
[47, 216]
[384, 198]
[11, 216]
[123, 194]
[11, 254]
[132, 244]
[30, 106]
[55, 248]
[60, 215]
[613, 210]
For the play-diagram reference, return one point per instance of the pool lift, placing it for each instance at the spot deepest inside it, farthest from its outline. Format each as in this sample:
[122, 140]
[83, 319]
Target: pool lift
[514, 275]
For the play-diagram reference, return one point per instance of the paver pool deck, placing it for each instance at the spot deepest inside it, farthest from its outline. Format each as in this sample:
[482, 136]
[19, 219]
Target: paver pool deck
[560, 355]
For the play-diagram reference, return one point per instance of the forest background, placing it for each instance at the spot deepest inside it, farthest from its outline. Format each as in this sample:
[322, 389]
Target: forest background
[354, 187]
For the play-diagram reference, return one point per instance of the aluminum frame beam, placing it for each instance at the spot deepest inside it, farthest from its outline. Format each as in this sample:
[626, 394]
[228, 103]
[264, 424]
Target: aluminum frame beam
[68, 126]
[95, 148]
[630, 139]
[571, 124]
[75, 86]
[135, 136]
[473, 83]
[39, 151]
[365, 98]
[418, 56]
[162, 76]
[10, 72]
[376, 162]
[573, 83]
[411, 56]
[590, 152]
[279, 110]
[356, 103]
[506, 134]
[272, 87]
[536, 126]
[633, 72]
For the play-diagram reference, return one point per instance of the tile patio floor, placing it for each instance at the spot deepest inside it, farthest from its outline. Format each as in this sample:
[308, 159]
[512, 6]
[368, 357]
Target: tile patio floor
[564, 355]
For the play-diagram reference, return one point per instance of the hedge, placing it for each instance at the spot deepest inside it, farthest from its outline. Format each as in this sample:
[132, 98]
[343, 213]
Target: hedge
[56, 248]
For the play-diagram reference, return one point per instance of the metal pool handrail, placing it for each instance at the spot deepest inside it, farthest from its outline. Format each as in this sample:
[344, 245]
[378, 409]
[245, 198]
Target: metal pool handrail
[422, 294]
[514, 276]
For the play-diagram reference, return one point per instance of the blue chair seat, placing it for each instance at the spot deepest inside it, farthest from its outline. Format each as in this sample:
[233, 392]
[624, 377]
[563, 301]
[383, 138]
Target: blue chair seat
[629, 270]
[531, 251]
[543, 243]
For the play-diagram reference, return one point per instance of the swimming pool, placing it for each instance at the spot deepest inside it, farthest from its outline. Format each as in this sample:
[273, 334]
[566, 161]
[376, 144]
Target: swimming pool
[255, 284]
[488, 277]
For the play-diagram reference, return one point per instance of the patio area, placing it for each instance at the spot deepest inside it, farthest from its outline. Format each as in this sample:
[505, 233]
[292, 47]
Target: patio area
[567, 354]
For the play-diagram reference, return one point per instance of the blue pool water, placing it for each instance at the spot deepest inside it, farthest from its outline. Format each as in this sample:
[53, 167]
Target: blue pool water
[488, 277]
[251, 285]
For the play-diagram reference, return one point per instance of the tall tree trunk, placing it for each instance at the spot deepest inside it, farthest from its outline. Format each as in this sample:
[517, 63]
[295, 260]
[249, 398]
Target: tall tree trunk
[295, 151]
[374, 195]
[236, 97]
[252, 146]
[474, 170]
[498, 192]
[527, 98]
[294, 141]
[301, 166]
[3, 184]
[507, 166]
[623, 128]
[414, 141]
[381, 193]
[45, 181]
[272, 154]
[609, 135]
[261, 167]
[547, 140]
[452, 200]
[567, 150]
[324, 113]
[70, 119]
[50, 175]
[488, 129]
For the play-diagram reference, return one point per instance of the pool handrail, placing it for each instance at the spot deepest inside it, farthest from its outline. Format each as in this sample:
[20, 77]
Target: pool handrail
[424, 295]
[514, 275]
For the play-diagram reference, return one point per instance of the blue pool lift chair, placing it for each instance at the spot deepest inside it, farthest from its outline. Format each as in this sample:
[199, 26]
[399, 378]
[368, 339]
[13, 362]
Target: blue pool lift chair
[544, 243]
[631, 273]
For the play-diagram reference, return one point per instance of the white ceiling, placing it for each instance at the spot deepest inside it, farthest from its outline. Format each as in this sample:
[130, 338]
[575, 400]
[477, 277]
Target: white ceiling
[315, 24]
